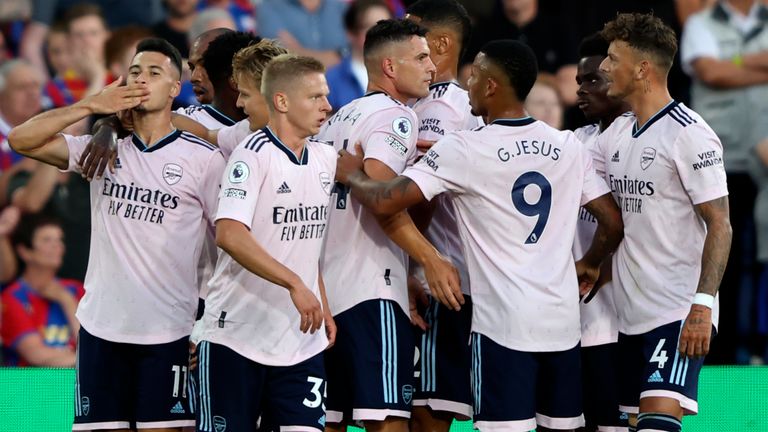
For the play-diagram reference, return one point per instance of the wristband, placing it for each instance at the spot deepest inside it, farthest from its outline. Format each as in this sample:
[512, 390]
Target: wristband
[738, 60]
[704, 300]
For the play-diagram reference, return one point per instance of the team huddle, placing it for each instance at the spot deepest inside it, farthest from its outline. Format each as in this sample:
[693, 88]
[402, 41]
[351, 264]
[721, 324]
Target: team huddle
[423, 254]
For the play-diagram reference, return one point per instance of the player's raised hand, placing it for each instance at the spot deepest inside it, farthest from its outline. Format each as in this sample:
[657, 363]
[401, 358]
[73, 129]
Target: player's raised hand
[348, 164]
[309, 308]
[417, 298]
[444, 281]
[697, 332]
[116, 97]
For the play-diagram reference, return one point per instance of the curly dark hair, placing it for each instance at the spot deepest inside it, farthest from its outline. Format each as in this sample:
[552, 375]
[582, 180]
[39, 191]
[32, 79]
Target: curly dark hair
[646, 33]
[217, 59]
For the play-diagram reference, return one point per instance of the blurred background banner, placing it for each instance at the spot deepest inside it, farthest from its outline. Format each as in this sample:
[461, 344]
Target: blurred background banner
[731, 399]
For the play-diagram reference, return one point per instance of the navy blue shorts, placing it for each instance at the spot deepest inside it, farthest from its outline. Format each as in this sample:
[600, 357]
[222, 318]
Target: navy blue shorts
[651, 366]
[517, 390]
[370, 368]
[123, 386]
[233, 392]
[444, 360]
[599, 373]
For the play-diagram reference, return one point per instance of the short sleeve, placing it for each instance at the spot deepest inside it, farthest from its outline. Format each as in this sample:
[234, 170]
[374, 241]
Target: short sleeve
[230, 136]
[697, 41]
[76, 145]
[240, 185]
[442, 169]
[594, 185]
[210, 184]
[393, 140]
[436, 118]
[16, 322]
[698, 157]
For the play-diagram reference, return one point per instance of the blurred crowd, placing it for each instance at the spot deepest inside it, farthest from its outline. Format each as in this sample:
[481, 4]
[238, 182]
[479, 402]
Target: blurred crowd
[55, 52]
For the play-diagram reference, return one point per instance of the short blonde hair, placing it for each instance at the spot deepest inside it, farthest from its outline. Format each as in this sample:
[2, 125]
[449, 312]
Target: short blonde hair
[283, 71]
[251, 60]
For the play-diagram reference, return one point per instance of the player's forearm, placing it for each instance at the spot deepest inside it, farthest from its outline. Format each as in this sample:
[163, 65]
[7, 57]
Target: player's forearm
[188, 125]
[401, 230]
[717, 247]
[323, 296]
[381, 198]
[609, 232]
[244, 249]
[42, 128]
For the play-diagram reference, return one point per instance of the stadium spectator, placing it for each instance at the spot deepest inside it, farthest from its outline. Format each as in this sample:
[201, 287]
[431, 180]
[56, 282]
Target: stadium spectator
[9, 218]
[349, 79]
[307, 27]
[120, 48]
[60, 89]
[723, 48]
[179, 16]
[543, 102]
[4, 52]
[87, 72]
[39, 326]
[20, 99]
[210, 19]
[241, 11]
[117, 14]
[532, 22]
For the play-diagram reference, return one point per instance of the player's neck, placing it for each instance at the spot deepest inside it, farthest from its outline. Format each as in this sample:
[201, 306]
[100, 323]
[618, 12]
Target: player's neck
[375, 85]
[288, 135]
[227, 105]
[151, 127]
[448, 74]
[648, 101]
[607, 119]
[506, 111]
[38, 277]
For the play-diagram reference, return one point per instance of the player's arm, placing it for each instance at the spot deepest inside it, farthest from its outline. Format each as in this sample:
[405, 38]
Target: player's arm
[330, 324]
[441, 276]
[186, 124]
[697, 331]
[38, 137]
[383, 198]
[608, 235]
[101, 151]
[236, 240]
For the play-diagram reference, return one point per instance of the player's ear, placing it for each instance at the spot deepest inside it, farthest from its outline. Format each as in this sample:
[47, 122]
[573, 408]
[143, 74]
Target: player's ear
[642, 69]
[442, 44]
[280, 102]
[388, 67]
[175, 89]
[232, 84]
[491, 85]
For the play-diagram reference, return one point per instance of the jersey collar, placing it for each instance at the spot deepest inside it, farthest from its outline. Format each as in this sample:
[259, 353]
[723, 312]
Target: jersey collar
[636, 132]
[218, 115]
[523, 121]
[303, 160]
[164, 141]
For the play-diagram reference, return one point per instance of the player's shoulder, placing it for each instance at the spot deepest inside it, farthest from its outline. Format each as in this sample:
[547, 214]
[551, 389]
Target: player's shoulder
[195, 143]
[681, 121]
[190, 111]
[587, 131]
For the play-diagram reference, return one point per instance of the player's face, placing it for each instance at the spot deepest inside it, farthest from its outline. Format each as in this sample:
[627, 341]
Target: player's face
[47, 247]
[413, 68]
[619, 69]
[201, 85]
[591, 97]
[161, 77]
[308, 104]
[252, 102]
[478, 77]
